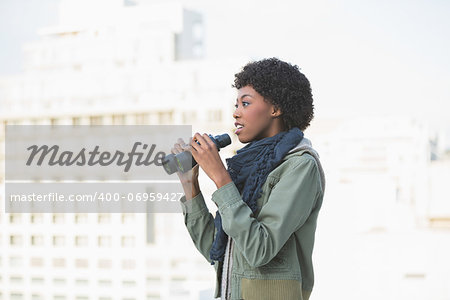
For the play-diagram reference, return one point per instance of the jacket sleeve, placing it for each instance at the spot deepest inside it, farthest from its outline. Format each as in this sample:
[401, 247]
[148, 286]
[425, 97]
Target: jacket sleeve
[289, 205]
[199, 223]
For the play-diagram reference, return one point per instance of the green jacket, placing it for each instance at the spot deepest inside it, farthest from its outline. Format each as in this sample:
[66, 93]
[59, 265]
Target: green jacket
[272, 254]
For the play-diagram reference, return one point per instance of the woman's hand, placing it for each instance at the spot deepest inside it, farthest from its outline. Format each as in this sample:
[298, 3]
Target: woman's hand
[205, 153]
[189, 180]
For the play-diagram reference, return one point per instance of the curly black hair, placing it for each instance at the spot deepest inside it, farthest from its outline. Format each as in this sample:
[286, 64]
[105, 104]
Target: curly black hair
[282, 85]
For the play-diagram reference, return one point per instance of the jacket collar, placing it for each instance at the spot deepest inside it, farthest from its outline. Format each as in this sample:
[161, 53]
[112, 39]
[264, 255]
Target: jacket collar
[305, 145]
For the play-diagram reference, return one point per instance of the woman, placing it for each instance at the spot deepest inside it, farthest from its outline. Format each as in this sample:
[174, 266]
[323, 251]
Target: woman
[262, 237]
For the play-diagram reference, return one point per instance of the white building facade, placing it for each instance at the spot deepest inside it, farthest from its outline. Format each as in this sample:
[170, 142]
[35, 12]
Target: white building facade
[107, 63]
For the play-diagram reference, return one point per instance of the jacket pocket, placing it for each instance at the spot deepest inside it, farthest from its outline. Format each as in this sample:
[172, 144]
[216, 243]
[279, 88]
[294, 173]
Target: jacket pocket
[279, 262]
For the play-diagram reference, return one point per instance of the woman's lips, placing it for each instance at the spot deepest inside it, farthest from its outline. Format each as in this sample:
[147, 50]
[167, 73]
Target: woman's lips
[239, 127]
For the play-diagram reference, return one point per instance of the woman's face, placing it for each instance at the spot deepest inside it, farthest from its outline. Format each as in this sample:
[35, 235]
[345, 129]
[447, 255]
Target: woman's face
[255, 118]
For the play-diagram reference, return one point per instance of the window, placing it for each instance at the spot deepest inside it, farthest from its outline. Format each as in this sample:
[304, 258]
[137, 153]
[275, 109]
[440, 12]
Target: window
[81, 218]
[15, 240]
[141, 119]
[104, 263]
[15, 279]
[128, 283]
[58, 218]
[81, 282]
[127, 218]
[59, 262]
[36, 218]
[153, 263]
[81, 263]
[36, 261]
[37, 280]
[16, 296]
[118, 119]
[59, 281]
[76, 121]
[165, 117]
[15, 218]
[119, 63]
[81, 240]
[59, 240]
[176, 263]
[197, 30]
[96, 120]
[15, 261]
[54, 121]
[127, 241]
[104, 282]
[128, 264]
[104, 218]
[150, 224]
[197, 49]
[189, 117]
[178, 278]
[37, 240]
[104, 241]
[153, 280]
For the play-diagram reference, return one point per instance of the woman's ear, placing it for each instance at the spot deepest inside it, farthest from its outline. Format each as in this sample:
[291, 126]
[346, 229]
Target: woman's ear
[276, 111]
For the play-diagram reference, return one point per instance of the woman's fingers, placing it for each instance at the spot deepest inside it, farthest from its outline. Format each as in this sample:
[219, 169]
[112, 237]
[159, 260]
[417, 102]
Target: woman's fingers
[195, 142]
[198, 143]
[179, 146]
[200, 139]
[209, 140]
[181, 142]
[203, 141]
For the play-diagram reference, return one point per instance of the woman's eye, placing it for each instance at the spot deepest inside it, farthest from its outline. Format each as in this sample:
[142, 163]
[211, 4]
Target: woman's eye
[243, 104]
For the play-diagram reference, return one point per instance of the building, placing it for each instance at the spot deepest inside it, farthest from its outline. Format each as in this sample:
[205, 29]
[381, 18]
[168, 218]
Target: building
[112, 63]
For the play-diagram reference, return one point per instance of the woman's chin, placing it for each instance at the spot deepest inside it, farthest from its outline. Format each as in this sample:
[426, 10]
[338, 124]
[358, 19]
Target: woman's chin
[243, 139]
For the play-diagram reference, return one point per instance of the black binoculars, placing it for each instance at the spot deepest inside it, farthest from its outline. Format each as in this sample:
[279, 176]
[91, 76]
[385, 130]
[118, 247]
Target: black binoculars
[184, 161]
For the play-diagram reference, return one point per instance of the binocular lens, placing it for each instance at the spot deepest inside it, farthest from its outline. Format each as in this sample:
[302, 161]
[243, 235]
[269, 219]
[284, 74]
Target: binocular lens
[184, 161]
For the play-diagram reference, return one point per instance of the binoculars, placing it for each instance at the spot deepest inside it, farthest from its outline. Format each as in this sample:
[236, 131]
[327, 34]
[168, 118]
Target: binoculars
[184, 161]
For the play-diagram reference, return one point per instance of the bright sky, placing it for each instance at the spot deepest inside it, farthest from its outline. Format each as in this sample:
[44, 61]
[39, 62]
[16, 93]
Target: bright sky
[376, 57]
[371, 57]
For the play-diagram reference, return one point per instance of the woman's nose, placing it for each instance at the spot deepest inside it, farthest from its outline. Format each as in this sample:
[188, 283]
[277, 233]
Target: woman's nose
[236, 113]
